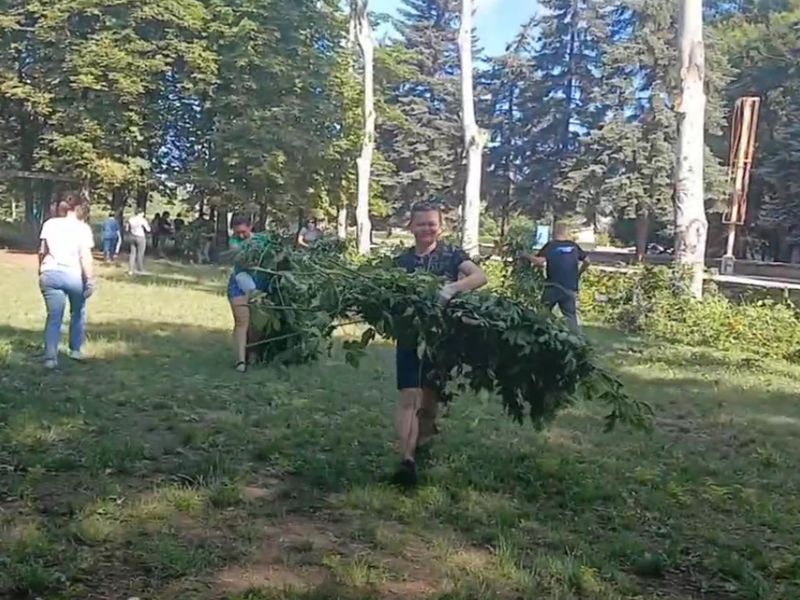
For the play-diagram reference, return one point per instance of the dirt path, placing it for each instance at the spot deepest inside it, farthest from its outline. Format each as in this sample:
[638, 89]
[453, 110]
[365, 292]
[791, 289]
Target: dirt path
[18, 259]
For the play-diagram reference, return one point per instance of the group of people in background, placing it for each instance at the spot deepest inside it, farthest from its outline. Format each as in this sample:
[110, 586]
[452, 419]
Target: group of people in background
[137, 230]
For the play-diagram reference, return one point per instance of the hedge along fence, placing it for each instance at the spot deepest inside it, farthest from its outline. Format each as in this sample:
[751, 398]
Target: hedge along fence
[654, 301]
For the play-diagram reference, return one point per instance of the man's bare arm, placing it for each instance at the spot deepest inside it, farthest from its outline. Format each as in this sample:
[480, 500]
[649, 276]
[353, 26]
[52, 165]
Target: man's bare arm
[474, 277]
[42, 252]
[538, 261]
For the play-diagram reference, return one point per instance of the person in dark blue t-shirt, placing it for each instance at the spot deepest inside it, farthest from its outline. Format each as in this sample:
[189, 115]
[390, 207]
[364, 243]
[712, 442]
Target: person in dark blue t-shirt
[417, 409]
[111, 237]
[565, 262]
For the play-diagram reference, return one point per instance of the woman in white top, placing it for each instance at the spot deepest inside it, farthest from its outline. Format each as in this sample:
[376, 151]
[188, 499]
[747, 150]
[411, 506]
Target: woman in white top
[138, 227]
[66, 271]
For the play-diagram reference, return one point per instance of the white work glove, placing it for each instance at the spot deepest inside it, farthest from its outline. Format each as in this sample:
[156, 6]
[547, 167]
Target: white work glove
[447, 292]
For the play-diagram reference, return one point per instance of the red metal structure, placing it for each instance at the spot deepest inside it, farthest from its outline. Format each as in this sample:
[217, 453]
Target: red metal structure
[744, 130]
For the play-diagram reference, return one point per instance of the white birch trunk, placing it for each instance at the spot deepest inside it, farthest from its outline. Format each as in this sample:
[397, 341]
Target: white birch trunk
[691, 226]
[474, 138]
[341, 222]
[366, 43]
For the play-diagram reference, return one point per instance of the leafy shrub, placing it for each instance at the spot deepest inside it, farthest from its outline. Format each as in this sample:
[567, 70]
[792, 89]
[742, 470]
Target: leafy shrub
[17, 236]
[654, 301]
[192, 238]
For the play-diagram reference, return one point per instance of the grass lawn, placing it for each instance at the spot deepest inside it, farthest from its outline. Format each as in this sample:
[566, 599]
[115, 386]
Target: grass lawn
[154, 471]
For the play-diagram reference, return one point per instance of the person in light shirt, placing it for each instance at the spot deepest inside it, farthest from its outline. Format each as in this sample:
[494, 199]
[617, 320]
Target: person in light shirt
[66, 271]
[310, 234]
[138, 228]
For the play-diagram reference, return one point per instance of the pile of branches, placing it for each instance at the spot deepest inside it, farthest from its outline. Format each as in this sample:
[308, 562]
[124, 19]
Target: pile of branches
[479, 341]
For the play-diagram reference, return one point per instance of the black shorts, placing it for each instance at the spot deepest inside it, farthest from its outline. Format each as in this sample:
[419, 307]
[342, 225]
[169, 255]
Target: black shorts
[412, 371]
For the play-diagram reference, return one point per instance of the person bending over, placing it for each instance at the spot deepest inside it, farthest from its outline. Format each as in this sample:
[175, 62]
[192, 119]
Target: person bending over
[242, 285]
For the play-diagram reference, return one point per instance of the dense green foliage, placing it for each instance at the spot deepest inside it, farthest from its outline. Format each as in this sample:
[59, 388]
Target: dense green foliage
[480, 341]
[153, 469]
[654, 301]
[256, 105]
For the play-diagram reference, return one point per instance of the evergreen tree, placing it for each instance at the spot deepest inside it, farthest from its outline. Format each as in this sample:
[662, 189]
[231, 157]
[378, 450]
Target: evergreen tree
[423, 139]
[561, 103]
[504, 82]
[761, 42]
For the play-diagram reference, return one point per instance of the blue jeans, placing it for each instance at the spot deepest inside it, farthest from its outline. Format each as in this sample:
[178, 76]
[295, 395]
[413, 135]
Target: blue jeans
[56, 287]
[109, 248]
[567, 301]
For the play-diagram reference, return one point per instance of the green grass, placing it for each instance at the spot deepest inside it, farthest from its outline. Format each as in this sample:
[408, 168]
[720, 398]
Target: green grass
[155, 471]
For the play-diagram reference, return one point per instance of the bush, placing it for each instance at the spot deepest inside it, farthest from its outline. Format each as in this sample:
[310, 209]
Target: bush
[18, 236]
[655, 301]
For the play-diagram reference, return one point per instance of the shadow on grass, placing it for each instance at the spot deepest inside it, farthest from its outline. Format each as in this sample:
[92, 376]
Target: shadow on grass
[155, 456]
[206, 278]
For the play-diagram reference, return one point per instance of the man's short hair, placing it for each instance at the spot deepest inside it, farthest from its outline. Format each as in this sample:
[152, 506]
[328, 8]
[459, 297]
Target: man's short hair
[426, 206]
[560, 229]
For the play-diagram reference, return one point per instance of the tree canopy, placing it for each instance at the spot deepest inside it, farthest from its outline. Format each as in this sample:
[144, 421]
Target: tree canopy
[257, 104]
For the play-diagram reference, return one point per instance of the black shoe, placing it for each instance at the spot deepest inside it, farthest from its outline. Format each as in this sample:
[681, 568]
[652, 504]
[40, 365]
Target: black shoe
[406, 475]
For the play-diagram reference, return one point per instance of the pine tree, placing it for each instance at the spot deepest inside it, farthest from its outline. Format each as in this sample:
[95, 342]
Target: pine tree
[625, 169]
[561, 103]
[422, 138]
[762, 45]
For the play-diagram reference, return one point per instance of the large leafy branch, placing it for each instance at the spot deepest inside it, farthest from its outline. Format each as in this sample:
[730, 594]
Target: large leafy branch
[479, 341]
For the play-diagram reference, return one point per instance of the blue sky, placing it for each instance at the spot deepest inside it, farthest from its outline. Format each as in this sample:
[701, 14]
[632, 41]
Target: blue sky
[497, 20]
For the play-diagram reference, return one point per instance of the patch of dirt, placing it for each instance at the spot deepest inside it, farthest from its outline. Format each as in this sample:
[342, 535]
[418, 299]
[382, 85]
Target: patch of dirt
[408, 589]
[280, 561]
[266, 491]
[16, 259]
[62, 495]
[238, 579]
[293, 552]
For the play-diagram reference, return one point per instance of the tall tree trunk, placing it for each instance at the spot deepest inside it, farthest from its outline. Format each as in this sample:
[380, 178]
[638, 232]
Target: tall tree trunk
[118, 204]
[363, 31]
[28, 141]
[261, 224]
[474, 138]
[341, 218]
[691, 226]
[221, 227]
[569, 93]
[504, 214]
[642, 231]
[142, 194]
[509, 187]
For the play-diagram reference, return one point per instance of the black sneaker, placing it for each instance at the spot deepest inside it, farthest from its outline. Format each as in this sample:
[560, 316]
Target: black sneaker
[406, 475]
